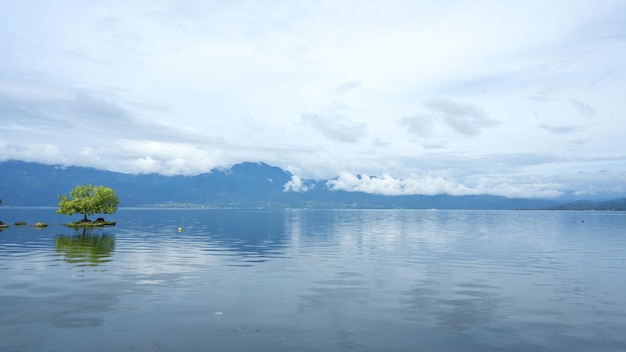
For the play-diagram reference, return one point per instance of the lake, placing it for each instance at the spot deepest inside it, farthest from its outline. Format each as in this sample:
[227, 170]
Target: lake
[314, 280]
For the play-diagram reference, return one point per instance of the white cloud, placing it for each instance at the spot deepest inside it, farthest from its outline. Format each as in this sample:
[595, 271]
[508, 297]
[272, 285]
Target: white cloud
[41, 153]
[560, 129]
[348, 86]
[436, 185]
[167, 158]
[397, 88]
[445, 117]
[296, 185]
[465, 119]
[387, 185]
[584, 109]
[419, 125]
[336, 127]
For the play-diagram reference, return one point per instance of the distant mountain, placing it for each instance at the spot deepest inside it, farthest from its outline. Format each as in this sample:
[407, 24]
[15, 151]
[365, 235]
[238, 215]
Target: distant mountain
[245, 185]
[618, 204]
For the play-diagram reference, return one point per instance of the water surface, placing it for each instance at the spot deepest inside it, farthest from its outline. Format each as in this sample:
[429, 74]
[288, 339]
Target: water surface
[315, 280]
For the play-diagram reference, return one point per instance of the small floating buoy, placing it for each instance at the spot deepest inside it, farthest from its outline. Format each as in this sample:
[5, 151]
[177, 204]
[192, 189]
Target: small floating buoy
[180, 229]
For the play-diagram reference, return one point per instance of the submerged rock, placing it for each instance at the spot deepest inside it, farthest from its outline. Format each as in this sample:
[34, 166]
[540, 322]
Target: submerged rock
[40, 224]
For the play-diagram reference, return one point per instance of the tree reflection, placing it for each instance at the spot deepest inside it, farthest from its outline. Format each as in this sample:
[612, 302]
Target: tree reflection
[85, 248]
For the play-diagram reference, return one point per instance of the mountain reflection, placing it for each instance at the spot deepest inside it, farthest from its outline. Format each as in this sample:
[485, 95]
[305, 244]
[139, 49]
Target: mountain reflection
[85, 248]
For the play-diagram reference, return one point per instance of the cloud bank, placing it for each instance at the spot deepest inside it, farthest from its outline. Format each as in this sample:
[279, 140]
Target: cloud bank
[460, 97]
[431, 185]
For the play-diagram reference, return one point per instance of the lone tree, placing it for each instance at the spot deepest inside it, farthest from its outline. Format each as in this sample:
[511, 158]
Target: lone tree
[88, 200]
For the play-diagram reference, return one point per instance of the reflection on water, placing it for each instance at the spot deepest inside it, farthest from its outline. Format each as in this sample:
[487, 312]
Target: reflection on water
[312, 280]
[85, 248]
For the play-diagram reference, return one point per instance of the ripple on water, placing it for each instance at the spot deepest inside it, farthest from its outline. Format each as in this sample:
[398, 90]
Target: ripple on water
[331, 280]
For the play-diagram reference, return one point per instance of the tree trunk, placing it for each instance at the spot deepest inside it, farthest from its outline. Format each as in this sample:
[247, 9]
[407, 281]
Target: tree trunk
[85, 216]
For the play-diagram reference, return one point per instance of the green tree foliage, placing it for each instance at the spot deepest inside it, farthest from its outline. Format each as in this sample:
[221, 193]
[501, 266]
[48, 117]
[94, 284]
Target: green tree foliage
[1, 223]
[88, 200]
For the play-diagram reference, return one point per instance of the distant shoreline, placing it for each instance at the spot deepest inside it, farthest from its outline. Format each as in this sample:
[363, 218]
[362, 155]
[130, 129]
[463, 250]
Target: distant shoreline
[559, 208]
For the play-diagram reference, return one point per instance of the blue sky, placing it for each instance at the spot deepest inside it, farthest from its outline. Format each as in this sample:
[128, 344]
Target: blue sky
[513, 98]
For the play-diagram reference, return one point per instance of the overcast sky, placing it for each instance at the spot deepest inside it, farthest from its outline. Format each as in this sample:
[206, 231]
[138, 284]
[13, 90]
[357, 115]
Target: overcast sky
[515, 98]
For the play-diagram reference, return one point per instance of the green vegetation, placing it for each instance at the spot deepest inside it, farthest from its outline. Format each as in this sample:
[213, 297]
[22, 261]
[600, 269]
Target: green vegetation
[96, 223]
[88, 200]
[2, 225]
[85, 248]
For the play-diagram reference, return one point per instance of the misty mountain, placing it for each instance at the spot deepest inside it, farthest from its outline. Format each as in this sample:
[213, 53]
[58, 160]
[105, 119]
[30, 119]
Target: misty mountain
[245, 185]
[618, 204]
[251, 184]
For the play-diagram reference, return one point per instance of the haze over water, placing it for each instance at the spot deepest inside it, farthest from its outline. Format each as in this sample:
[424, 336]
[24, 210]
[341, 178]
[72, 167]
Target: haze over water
[315, 280]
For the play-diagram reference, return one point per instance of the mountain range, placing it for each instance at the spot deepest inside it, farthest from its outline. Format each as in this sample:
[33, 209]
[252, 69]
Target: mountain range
[244, 185]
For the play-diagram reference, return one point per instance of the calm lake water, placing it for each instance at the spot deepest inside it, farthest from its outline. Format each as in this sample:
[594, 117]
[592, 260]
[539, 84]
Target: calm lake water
[315, 280]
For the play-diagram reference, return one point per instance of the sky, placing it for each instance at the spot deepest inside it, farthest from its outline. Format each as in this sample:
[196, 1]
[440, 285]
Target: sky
[510, 98]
